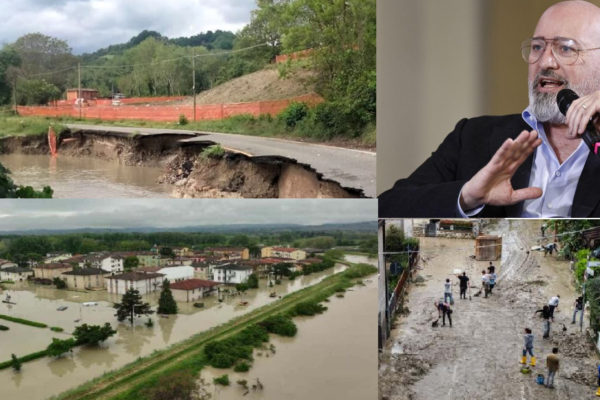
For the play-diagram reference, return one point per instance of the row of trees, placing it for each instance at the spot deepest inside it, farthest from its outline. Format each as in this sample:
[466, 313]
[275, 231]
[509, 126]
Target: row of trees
[22, 249]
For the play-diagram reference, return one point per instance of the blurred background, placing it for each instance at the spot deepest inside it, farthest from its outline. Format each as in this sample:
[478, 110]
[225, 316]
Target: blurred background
[441, 61]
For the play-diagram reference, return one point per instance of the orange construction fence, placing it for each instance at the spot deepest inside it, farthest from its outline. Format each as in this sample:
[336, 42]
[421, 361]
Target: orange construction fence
[169, 113]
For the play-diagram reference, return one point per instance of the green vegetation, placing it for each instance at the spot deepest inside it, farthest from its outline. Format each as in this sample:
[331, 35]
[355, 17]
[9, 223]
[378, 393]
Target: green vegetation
[132, 306]
[23, 321]
[145, 373]
[570, 243]
[93, 335]
[280, 324]
[253, 281]
[183, 120]
[179, 385]
[59, 347]
[4, 328]
[150, 323]
[242, 287]
[60, 284]
[242, 367]
[29, 357]
[318, 267]
[15, 363]
[56, 329]
[130, 263]
[214, 151]
[166, 302]
[222, 380]
[24, 126]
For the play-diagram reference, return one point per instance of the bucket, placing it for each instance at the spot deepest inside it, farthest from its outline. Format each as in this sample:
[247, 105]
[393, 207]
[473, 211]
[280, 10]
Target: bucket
[540, 379]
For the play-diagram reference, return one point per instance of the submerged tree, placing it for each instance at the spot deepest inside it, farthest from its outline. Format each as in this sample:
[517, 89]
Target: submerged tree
[58, 347]
[166, 303]
[93, 335]
[132, 306]
[15, 363]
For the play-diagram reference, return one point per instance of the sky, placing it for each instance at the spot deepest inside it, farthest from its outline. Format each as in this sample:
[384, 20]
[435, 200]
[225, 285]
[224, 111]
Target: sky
[88, 25]
[172, 213]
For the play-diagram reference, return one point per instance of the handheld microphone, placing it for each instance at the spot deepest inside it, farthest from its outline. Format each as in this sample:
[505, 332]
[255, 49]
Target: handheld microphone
[564, 98]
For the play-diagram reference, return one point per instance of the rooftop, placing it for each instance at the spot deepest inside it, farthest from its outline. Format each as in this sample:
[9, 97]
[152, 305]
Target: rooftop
[53, 266]
[86, 272]
[233, 267]
[135, 276]
[284, 249]
[191, 284]
[17, 269]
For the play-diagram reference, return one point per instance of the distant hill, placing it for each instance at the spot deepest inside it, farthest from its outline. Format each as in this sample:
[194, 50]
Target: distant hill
[368, 227]
[219, 39]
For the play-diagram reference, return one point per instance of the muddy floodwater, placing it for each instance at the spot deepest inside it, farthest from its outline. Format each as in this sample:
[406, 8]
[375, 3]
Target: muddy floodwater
[332, 357]
[73, 177]
[46, 377]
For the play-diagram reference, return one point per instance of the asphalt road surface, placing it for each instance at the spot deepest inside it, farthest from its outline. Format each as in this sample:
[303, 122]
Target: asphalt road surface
[351, 168]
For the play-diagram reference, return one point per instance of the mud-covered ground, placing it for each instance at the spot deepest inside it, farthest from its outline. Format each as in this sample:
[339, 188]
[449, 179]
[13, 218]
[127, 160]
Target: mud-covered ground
[478, 358]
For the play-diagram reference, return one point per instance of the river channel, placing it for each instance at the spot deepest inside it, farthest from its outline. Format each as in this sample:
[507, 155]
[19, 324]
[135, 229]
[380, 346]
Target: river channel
[85, 177]
[47, 377]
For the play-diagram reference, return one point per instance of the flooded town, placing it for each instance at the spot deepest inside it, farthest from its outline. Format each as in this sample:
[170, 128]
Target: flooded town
[497, 335]
[47, 299]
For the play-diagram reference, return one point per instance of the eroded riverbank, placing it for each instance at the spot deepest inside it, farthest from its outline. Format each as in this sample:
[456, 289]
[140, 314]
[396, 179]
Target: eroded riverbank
[185, 171]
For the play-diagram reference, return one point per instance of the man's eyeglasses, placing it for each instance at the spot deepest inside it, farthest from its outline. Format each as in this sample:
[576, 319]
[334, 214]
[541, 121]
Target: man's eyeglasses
[565, 50]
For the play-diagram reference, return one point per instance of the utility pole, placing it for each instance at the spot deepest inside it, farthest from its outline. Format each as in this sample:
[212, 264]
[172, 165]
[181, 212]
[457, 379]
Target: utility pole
[15, 95]
[79, 96]
[194, 79]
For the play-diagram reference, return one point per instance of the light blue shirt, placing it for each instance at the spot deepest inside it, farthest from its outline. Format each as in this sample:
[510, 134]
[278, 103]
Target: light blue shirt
[557, 181]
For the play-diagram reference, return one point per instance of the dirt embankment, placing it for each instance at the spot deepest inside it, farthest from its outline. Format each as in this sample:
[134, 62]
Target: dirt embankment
[237, 175]
[192, 176]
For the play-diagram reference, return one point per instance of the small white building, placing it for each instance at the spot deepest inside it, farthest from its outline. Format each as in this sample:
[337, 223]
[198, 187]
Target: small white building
[231, 273]
[144, 282]
[175, 273]
[7, 264]
[193, 289]
[15, 274]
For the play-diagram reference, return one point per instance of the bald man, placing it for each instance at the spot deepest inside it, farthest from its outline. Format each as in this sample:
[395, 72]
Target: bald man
[530, 165]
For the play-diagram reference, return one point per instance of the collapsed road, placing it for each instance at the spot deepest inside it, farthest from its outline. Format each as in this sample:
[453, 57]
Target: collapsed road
[349, 167]
[176, 159]
[478, 358]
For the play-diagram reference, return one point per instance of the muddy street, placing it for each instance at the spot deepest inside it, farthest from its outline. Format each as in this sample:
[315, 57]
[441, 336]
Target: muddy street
[478, 358]
[38, 379]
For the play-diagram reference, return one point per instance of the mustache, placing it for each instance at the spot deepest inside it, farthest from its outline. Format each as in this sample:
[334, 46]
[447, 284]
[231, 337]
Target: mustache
[549, 74]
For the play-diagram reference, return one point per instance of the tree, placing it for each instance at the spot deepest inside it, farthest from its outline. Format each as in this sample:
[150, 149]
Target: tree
[15, 363]
[9, 59]
[334, 254]
[181, 385]
[239, 240]
[253, 281]
[131, 262]
[93, 335]
[242, 287]
[132, 306]
[166, 303]
[166, 251]
[281, 269]
[58, 347]
[60, 284]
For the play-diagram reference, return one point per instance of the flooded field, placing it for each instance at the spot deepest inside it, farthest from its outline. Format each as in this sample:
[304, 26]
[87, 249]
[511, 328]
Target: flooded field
[73, 177]
[38, 379]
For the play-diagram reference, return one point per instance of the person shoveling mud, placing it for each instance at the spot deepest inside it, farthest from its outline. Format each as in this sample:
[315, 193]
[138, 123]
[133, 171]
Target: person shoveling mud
[464, 284]
[444, 311]
[545, 311]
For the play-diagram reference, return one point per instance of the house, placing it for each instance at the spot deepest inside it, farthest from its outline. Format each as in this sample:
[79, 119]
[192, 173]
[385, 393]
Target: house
[150, 259]
[88, 94]
[230, 253]
[283, 252]
[51, 270]
[201, 270]
[261, 268]
[231, 273]
[15, 274]
[299, 265]
[144, 282]
[180, 260]
[182, 251]
[7, 264]
[193, 289]
[173, 274]
[57, 257]
[85, 278]
[154, 249]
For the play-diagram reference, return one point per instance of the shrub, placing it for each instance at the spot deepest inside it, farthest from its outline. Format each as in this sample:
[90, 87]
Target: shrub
[215, 151]
[23, 321]
[183, 120]
[308, 308]
[58, 347]
[293, 114]
[15, 363]
[222, 380]
[93, 334]
[176, 385]
[56, 329]
[242, 287]
[4, 328]
[280, 325]
[253, 281]
[149, 324]
[242, 367]
[60, 284]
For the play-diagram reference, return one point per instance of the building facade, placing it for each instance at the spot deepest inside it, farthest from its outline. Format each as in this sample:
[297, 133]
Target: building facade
[231, 274]
[15, 274]
[85, 278]
[193, 289]
[51, 270]
[144, 282]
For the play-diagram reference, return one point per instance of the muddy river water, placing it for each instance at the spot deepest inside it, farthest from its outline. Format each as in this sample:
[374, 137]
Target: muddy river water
[75, 177]
[349, 322]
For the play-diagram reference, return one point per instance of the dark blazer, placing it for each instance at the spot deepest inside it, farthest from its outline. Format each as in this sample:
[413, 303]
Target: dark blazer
[432, 190]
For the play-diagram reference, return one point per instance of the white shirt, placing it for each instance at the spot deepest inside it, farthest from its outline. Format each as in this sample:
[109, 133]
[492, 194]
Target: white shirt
[554, 301]
[557, 181]
[447, 287]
